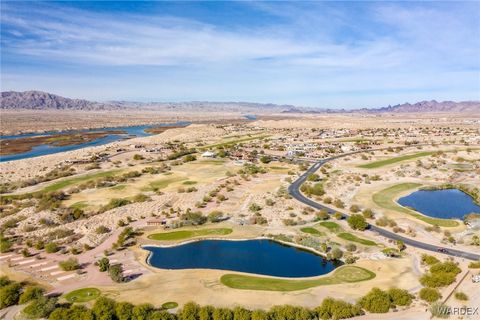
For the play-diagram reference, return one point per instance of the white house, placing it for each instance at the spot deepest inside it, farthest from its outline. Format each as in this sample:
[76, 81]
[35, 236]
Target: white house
[208, 154]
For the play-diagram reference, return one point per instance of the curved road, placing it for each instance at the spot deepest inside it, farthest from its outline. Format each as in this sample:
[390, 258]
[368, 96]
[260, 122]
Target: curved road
[294, 191]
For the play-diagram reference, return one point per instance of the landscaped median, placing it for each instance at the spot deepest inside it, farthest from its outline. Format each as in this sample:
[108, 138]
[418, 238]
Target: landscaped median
[186, 234]
[345, 274]
[385, 199]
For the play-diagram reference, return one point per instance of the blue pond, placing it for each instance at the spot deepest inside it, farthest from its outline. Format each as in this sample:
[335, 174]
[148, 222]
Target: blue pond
[41, 150]
[446, 204]
[264, 257]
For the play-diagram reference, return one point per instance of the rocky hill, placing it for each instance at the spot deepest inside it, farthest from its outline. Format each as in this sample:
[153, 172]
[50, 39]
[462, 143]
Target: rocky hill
[38, 100]
[433, 106]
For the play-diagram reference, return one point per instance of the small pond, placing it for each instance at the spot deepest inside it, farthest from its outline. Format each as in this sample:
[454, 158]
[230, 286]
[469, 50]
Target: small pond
[258, 256]
[446, 204]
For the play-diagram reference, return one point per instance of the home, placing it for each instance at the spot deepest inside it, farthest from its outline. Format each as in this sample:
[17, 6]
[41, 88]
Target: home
[208, 154]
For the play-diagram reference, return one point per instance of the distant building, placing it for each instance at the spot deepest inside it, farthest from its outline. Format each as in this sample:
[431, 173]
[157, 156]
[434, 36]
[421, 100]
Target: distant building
[208, 154]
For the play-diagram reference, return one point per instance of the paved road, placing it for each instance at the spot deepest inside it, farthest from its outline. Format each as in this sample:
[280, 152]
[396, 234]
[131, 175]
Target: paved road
[294, 191]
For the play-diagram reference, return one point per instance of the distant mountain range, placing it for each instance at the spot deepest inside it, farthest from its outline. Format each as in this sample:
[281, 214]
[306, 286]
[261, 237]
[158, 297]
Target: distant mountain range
[38, 100]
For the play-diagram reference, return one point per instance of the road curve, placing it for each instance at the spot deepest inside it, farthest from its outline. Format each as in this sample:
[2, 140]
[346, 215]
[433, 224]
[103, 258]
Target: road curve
[294, 191]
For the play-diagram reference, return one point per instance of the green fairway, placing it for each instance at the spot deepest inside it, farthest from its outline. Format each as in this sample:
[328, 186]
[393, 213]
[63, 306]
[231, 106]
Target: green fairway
[330, 225]
[385, 199]
[234, 141]
[381, 163]
[68, 182]
[186, 234]
[354, 238]
[83, 295]
[345, 274]
[312, 231]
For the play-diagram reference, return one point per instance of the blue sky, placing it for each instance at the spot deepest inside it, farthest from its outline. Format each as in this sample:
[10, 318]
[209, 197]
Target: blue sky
[317, 54]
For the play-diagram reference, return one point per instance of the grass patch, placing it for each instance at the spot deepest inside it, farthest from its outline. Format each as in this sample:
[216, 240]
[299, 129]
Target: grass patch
[68, 182]
[189, 182]
[82, 295]
[186, 234]
[330, 225]
[234, 141]
[345, 274]
[384, 199]
[162, 183]
[169, 305]
[381, 163]
[79, 205]
[312, 231]
[351, 237]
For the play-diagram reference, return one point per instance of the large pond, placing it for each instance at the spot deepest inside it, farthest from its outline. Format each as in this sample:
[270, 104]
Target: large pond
[44, 149]
[264, 257]
[446, 204]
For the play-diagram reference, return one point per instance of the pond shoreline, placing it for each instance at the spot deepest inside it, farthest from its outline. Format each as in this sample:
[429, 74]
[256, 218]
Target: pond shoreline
[336, 263]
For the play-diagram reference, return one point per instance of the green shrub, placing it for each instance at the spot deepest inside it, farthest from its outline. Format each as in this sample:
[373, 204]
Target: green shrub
[400, 297]
[9, 294]
[461, 296]
[69, 264]
[357, 222]
[337, 309]
[376, 301]
[51, 247]
[429, 260]
[40, 308]
[30, 293]
[429, 294]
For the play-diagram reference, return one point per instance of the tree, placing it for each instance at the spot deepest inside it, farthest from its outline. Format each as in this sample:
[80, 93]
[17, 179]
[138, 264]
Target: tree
[265, 159]
[376, 301]
[321, 215]
[142, 311]
[215, 216]
[400, 245]
[368, 213]
[222, 314]
[429, 294]
[138, 157]
[354, 208]
[259, 315]
[40, 308]
[30, 293]
[116, 272]
[391, 252]
[240, 313]
[189, 311]
[337, 254]
[9, 294]
[124, 310]
[400, 297]
[103, 264]
[357, 222]
[337, 309]
[104, 308]
[429, 260]
[205, 313]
